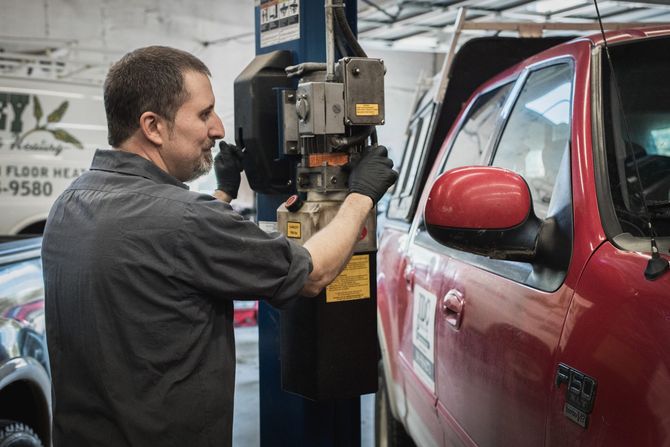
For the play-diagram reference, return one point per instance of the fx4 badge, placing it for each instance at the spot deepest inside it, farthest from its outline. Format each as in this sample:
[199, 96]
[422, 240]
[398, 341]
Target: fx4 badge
[580, 393]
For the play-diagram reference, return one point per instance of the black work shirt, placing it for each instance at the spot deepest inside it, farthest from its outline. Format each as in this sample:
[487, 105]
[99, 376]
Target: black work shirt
[140, 274]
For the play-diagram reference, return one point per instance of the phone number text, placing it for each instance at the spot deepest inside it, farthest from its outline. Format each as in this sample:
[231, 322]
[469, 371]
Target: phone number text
[25, 188]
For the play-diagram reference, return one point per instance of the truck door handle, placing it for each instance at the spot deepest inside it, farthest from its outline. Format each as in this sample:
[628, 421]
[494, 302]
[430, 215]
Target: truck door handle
[409, 274]
[452, 308]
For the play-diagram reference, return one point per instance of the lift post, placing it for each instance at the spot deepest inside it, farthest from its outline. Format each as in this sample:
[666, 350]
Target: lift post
[287, 419]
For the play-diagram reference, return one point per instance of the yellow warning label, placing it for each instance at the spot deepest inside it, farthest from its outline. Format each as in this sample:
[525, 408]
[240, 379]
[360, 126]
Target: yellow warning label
[367, 109]
[293, 230]
[353, 283]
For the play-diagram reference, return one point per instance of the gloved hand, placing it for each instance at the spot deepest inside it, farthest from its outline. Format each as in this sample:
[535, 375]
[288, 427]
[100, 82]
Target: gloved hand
[227, 168]
[373, 174]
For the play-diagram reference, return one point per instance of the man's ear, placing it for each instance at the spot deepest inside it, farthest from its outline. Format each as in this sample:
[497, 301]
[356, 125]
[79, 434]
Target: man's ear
[154, 127]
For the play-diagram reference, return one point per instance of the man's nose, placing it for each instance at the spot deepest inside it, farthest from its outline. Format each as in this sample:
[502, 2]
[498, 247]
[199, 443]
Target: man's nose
[217, 131]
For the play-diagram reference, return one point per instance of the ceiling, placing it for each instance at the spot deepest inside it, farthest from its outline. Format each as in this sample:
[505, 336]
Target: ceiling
[39, 36]
[428, 25]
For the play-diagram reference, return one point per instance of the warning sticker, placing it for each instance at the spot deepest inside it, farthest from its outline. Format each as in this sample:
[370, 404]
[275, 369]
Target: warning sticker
[293, 230]
[423, 335]
[353, 283]
[279, 21]
[367, 109]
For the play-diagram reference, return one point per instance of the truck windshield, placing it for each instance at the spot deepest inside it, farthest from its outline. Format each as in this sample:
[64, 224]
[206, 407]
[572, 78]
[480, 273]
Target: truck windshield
[637, 134]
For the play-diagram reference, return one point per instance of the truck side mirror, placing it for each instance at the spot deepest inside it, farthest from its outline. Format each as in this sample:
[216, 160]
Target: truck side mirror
[483, 210]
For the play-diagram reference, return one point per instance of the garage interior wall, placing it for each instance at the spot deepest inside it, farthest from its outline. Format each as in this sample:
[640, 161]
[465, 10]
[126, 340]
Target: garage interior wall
[221, 33]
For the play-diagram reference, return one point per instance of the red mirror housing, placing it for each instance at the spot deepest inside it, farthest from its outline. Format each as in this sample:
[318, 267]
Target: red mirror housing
[476, 197]
[483, 210]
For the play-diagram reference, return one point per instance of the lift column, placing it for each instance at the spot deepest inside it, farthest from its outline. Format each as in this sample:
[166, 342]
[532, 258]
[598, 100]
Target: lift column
[287, 419]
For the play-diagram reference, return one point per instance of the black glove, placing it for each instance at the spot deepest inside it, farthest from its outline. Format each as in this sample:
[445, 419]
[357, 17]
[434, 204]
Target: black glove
[373, 174]
[227, 168]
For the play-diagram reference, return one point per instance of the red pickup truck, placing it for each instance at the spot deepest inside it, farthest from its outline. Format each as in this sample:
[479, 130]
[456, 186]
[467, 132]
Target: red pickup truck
[518, 300]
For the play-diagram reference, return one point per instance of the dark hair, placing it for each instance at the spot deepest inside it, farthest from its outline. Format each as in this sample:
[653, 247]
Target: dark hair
[147, 79]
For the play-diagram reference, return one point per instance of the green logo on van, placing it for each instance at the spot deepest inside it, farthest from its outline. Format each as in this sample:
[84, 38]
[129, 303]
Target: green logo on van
[18, 103]
[53, 117]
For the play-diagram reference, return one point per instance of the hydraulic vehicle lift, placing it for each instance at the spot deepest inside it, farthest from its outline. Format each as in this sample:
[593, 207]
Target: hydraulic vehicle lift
[305, 108]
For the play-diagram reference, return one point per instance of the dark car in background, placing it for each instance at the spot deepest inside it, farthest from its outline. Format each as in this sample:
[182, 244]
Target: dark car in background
[25, 390]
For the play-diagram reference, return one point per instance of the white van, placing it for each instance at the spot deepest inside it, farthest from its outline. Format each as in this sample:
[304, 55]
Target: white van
[49, 130]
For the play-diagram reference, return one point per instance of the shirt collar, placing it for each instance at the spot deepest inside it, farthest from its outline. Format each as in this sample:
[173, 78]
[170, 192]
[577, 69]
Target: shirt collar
[116, 160]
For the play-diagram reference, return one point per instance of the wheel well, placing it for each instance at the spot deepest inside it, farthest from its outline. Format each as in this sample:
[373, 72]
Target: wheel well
[22, 401]
[34, 228]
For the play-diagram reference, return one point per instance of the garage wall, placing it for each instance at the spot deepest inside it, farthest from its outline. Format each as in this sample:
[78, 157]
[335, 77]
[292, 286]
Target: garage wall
[403, 70]
[218, 32]
[104, 30]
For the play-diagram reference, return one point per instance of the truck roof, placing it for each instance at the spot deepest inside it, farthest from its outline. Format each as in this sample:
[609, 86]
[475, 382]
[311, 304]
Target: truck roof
[628, 34]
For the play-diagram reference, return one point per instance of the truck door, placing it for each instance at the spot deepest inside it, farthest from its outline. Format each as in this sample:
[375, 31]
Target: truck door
[423, 276]
[497, 323]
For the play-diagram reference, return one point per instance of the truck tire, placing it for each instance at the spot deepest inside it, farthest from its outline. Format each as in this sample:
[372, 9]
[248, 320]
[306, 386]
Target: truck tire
[388, 431]
[16, 434]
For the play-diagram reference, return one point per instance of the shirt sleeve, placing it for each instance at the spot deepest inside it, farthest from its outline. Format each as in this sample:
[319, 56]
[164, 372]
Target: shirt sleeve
[228, 257]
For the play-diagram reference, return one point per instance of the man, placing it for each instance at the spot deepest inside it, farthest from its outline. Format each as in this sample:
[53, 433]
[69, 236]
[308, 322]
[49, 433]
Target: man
[140, 273]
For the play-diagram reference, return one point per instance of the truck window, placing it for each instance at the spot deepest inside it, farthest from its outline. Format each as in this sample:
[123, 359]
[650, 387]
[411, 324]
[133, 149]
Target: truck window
[421, 132]
[474, 137]
[538, 131]
[414, 154]
[533, 143]
[469, 146]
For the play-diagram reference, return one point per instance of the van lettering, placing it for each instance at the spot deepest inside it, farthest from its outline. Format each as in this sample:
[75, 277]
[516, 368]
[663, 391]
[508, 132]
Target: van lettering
[18, 103]
[62, 173]
[26, 171]
[42, 146]
[4, 98]
[67, 173]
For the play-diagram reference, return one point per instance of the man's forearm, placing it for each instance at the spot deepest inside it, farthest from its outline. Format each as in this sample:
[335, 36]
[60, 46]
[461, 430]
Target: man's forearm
[331, 247]
[222, 195]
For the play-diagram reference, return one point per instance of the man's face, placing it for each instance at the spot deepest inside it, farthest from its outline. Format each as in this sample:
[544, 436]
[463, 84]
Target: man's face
[187, 150]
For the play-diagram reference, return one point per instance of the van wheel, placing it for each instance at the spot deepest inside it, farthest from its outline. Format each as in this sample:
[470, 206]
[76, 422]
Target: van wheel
[16, 434]
[36, 228]
[388, 431]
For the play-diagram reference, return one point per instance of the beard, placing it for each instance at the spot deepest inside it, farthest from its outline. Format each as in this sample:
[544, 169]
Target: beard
[201, 166]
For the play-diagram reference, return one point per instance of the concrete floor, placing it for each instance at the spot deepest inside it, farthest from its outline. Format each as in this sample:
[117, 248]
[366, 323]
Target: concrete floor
[246, 431]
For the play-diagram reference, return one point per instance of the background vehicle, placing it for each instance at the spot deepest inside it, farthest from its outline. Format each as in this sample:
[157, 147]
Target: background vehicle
[49, 130]
[245, 313]
[513, 303]
[25, 390]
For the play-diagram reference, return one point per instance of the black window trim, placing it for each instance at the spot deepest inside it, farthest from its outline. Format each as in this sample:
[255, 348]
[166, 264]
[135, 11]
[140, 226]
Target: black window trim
[608, 217]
